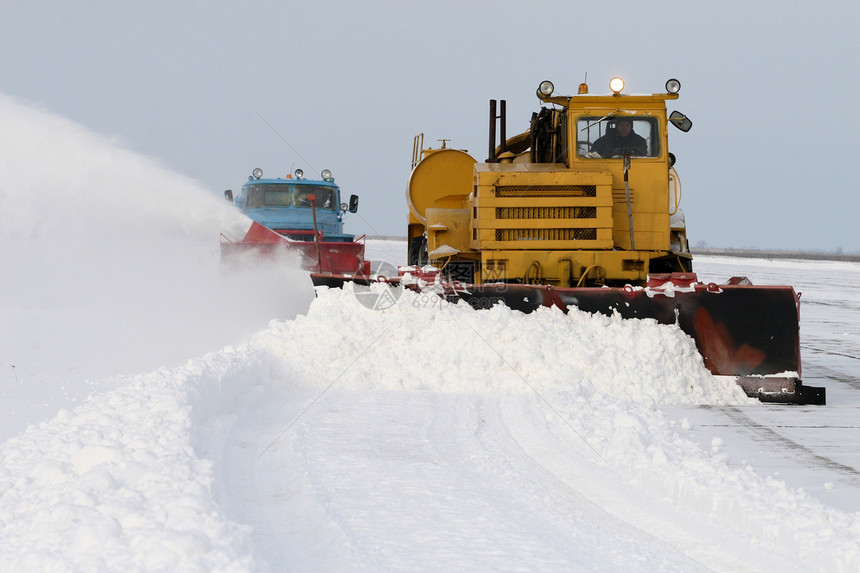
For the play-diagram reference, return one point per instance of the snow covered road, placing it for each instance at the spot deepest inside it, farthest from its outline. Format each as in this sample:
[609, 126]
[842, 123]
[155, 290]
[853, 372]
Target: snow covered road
[418, 481]
[817, 449]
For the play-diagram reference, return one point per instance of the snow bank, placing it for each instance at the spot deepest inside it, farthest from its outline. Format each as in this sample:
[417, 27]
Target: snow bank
[422, 342]
[115, 485]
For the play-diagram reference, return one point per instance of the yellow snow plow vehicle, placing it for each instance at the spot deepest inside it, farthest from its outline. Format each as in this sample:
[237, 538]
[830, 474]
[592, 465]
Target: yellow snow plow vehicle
[583, 209]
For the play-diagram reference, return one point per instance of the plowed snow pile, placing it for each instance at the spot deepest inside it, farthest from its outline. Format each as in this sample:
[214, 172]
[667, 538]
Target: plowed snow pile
[424, 343]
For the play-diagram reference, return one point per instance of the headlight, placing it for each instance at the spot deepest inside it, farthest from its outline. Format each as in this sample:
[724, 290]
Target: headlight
[344, 207]
[326, 174]
[299, 173]
[616, 85]
[673, 86]
[257, 173]
[546, 88]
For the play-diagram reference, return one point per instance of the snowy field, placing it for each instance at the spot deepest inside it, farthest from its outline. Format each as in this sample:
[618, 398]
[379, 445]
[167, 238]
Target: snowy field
[159, 415]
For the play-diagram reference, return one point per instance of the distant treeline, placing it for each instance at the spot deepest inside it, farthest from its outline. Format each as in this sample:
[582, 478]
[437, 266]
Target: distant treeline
[777, 254]
[748, 253]
[386, 238]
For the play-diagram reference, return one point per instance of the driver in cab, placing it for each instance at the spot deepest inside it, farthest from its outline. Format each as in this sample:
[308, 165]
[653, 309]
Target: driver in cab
[620, 141]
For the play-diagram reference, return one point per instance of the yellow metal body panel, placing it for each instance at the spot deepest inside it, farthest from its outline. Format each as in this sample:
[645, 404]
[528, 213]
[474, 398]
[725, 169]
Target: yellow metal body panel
[447, 232]
[562, 267]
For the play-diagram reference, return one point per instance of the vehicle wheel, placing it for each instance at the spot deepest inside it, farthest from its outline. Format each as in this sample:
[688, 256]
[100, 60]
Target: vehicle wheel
[418, 251]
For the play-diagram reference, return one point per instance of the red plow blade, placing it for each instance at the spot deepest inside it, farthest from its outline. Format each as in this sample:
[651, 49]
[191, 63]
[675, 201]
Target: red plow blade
[745, 331]
[339, 257]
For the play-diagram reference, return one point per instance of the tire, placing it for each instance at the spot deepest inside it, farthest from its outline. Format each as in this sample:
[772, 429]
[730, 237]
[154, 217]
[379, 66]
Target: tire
[418, 251]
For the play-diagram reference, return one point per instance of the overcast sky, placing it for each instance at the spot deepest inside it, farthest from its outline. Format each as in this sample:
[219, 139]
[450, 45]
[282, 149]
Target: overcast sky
[214, 89]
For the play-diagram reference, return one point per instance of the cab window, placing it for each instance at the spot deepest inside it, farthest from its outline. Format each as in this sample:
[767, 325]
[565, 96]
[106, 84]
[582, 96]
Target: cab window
[324, 197]
[601, 137]
[268, 196]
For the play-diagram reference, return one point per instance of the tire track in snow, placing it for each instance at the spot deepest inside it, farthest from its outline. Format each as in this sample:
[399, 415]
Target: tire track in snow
[802, 454]
[364, 474]
[672, 524]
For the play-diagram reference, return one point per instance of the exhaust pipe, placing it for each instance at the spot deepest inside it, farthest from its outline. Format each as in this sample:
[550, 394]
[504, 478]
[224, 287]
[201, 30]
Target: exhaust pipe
[502, 121]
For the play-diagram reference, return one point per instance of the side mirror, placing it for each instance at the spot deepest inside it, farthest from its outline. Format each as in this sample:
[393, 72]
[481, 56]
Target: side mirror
[680, 121]
[228, 194]
[353, 203]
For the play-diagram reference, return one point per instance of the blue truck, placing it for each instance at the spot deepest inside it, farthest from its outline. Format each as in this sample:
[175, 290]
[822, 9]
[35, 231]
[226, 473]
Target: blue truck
[294, 213]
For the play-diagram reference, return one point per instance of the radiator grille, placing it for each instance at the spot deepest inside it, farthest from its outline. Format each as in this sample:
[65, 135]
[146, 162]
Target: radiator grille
[546, 212]
[546, 191]
[546, 234]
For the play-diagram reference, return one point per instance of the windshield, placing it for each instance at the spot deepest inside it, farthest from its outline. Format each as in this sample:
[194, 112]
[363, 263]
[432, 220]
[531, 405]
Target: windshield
[323, 196]
[599, 137]
[280, 195]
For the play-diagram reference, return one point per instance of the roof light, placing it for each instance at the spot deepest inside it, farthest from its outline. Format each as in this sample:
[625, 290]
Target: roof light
[326, 174]
[257, 173]
[673, 86]
[299, 173]
[545, 88]
[616, 85]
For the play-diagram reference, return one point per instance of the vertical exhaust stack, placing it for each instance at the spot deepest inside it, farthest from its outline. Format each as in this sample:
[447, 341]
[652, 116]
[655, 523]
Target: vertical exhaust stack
[503, 138]
[491, 154]
[492, 157]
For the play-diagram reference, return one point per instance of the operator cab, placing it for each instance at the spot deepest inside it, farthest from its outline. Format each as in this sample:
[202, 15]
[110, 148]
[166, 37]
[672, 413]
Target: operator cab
[599, 137]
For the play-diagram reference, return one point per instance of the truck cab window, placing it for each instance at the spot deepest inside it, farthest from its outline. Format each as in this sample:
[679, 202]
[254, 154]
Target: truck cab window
[277, 198]
[601, 137]
[323, 197]
[267, 196]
